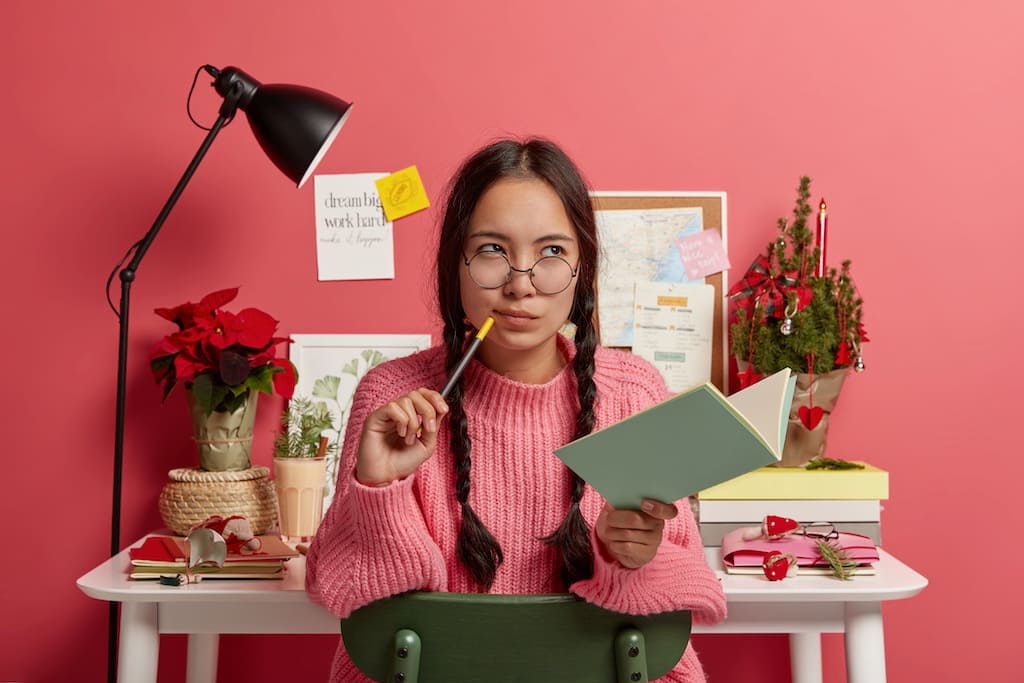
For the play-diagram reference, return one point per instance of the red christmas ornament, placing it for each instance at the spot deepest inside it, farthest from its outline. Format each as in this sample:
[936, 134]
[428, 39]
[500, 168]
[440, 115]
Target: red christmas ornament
[773, 526]
[810, 416]
[235, 530]
[843, 354]
[775, 565]
[768, 290]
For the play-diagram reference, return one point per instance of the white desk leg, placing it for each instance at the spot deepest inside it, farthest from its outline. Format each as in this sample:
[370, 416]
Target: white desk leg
[139, 643]
[805, 657]
[202, 658]
[865, 643]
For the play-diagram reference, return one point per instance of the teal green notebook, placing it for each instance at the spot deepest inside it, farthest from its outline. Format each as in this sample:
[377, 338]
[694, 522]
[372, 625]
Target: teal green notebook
[687, 443]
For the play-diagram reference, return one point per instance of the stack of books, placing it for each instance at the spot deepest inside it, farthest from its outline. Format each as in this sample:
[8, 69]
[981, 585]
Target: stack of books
[168, 555]
[850, 499]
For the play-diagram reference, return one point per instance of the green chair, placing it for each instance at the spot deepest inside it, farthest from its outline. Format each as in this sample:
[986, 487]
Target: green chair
[422, 637]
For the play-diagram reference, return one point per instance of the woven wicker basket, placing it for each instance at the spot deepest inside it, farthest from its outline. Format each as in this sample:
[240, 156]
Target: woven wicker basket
[192, 495]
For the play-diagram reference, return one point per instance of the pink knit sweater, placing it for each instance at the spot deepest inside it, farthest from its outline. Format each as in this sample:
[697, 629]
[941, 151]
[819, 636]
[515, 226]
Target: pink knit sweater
[376, 542]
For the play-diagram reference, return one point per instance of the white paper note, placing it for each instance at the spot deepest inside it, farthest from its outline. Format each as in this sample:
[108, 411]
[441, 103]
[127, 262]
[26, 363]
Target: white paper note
[673, 324]
[354, 240]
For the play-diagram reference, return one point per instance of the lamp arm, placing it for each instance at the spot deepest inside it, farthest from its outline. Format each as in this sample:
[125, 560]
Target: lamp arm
[127, 276]
[128, 272]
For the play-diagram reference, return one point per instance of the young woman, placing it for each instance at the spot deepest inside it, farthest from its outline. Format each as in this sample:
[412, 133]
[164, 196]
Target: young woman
[465, 494]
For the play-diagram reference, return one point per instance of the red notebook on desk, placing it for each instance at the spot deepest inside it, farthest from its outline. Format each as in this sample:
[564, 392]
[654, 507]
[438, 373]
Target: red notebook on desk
[157, 549]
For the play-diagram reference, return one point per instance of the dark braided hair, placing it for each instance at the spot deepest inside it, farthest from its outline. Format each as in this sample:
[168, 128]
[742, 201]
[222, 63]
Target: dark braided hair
[477, 548]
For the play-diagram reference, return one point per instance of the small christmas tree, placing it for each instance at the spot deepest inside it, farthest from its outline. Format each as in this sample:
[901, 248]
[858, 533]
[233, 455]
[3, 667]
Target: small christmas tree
[792, 313]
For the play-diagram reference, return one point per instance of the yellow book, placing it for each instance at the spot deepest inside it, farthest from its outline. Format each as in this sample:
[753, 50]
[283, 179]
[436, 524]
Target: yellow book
[797, 483]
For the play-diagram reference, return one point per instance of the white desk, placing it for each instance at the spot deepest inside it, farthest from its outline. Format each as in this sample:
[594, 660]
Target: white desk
[804, 607]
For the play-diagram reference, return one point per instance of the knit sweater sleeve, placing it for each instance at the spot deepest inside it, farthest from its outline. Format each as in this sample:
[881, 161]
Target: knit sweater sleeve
[373, 542]
[678, 577]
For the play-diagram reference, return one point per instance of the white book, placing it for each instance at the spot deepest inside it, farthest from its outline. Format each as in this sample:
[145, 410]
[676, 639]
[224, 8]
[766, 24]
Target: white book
[754, 511]
[712, 533]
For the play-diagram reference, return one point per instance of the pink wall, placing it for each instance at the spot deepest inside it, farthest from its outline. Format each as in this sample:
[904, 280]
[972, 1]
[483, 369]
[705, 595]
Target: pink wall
[907, 116]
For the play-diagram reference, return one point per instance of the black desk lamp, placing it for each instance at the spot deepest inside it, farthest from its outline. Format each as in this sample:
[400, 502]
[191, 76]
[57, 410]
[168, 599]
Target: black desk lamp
[295, 126]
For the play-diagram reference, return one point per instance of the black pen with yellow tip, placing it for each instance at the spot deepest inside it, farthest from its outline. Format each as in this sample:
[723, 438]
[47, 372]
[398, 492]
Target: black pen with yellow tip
[464, 361]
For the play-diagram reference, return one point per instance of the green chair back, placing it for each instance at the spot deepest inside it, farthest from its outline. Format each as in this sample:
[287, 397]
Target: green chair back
[423, 637]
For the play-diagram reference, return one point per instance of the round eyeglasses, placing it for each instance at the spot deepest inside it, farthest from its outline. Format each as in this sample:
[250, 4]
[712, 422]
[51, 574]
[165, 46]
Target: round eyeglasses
[822, 530]
[549, 275]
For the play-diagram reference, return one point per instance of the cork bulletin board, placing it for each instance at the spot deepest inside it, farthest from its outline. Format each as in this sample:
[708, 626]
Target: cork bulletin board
[713, 208]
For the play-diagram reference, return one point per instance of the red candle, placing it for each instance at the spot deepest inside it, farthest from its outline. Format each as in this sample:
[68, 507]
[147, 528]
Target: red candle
[819, 237]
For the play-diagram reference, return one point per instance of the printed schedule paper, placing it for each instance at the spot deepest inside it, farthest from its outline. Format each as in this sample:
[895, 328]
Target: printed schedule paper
[672, 328]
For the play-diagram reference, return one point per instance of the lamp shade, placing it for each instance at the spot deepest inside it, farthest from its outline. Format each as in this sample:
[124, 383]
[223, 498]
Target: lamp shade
[294, 125]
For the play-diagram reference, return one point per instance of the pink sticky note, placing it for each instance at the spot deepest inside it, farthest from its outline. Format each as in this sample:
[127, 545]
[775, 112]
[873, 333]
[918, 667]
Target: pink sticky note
[702, 254]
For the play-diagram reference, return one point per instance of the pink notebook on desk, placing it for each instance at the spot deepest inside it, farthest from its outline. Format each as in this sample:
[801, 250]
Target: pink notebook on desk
[737, 552]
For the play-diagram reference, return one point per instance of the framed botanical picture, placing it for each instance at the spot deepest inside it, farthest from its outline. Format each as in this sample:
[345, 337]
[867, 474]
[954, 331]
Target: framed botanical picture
[331, 365]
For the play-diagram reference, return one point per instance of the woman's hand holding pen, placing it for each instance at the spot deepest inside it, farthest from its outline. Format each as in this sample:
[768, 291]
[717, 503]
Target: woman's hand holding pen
[632, 537]
[399, 436]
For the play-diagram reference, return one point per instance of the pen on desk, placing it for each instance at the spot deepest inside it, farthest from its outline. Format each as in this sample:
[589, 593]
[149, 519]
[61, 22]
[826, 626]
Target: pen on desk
[473, 346]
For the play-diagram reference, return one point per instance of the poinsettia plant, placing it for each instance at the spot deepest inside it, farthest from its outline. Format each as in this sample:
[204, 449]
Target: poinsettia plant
[221, 356]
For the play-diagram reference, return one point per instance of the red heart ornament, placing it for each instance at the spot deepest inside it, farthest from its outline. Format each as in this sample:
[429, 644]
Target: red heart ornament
[775, 566]
[810, 416]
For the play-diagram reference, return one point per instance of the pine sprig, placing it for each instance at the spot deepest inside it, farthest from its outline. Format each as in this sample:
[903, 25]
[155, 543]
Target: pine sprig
[302, 423]
[832, 464]
[793, 249]
[837, 558]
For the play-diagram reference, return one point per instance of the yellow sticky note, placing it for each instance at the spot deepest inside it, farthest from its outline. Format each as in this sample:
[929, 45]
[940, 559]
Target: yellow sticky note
[402, 193]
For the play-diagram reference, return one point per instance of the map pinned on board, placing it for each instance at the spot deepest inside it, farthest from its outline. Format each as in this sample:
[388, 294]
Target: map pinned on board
[402, 193]
[644, 242]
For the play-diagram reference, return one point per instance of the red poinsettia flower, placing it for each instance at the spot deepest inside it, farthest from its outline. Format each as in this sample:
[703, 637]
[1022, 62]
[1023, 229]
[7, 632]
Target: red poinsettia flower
[226, 328]
[285, 381]
[229, 354]
[255, 328]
